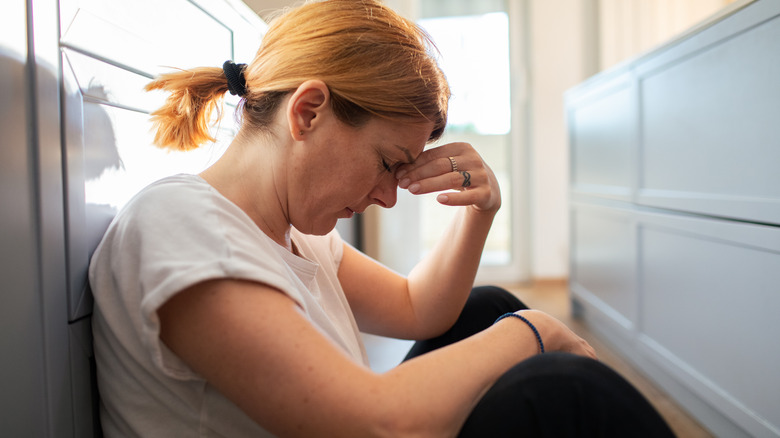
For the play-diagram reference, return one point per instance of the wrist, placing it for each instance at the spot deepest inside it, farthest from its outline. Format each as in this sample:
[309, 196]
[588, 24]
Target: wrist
[488, 213]
[537, 334]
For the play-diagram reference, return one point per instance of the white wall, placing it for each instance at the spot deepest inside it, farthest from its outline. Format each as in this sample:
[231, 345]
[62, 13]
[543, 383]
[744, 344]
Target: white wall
[562, 54]
[630, 27]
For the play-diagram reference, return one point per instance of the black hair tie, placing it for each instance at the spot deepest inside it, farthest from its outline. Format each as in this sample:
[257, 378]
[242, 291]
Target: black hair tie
[235, 78]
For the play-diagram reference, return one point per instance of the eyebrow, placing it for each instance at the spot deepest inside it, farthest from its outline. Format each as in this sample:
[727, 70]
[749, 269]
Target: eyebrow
[407, 153]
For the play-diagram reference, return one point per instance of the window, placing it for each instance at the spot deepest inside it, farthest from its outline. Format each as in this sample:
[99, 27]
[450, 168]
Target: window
[473, 39]
[475, 57]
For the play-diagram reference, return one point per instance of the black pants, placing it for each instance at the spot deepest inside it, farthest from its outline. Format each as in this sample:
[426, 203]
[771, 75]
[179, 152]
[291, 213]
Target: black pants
[547, 395]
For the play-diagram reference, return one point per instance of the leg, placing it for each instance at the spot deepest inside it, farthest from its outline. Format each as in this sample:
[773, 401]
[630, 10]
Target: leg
[484, 305]
[562, 395]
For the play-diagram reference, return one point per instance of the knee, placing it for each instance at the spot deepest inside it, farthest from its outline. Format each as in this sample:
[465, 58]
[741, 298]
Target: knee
[559, 394]
[483, 306]
[494, 299]
[583, 384]
[561, 368]
[560, 379]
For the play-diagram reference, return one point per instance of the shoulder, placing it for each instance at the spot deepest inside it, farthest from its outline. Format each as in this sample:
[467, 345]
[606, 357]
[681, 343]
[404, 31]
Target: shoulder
[182, 219]
[179, 231]
[173, 195]
[181, 205]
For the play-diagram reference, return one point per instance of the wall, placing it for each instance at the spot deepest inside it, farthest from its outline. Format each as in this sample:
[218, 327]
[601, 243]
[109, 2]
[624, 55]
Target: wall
[561, 55]
[630, 27]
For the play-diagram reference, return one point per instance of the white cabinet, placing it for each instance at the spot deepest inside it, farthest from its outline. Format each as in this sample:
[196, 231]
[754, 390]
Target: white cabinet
[76, 146]
[675, 216]
[710, 138]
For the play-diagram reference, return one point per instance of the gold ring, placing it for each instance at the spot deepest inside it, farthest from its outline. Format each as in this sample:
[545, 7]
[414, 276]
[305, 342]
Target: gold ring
[453, 164]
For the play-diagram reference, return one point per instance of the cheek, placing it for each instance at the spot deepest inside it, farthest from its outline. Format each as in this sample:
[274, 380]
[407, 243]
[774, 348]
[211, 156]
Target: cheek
[349, 181]
[360, 176]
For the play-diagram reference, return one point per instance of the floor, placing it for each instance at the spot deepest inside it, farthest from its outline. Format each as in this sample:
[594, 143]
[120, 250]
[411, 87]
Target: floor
[553, 298]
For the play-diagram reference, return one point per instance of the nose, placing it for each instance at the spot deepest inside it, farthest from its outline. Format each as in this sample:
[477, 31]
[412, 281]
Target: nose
[385, 193]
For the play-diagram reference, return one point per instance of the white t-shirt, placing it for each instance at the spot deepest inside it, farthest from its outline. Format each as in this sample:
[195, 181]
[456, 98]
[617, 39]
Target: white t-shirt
[175, 233]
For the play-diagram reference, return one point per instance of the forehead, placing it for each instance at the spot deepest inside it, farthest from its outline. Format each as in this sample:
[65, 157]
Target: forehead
[407, 139]
[409, 157]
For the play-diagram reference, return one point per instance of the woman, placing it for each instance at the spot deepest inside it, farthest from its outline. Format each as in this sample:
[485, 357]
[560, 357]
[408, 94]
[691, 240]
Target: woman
[228, 306]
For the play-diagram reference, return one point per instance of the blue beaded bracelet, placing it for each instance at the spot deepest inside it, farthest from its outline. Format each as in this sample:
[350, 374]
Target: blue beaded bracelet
[525, 320]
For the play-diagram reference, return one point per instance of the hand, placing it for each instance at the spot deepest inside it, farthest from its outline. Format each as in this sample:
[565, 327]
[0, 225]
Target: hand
[557, 336]
[453, 166]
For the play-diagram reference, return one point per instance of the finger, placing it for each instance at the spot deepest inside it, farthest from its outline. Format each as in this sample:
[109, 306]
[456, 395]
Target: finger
[453, 199]
[466, 179]
[456, 150]
[448, 181]
[449, 149]
[439, 166]
[423, 170]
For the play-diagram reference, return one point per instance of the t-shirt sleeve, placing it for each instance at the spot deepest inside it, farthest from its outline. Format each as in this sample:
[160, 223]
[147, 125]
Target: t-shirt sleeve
[177, 239]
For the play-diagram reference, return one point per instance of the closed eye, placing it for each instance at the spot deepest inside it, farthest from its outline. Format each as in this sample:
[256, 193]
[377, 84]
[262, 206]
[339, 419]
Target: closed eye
[386, 166]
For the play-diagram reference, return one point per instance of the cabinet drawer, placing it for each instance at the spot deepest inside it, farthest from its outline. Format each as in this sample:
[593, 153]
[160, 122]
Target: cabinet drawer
[145, 36]
[602, 138]
[710, 141]
[604, 260]
[710, 293]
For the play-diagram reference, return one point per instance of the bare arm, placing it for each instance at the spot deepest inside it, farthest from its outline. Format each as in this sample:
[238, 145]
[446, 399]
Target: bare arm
[254, 345]
[430, 300]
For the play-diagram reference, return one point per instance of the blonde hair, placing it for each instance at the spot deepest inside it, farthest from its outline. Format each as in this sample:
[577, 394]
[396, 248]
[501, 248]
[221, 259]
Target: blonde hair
[374, 62]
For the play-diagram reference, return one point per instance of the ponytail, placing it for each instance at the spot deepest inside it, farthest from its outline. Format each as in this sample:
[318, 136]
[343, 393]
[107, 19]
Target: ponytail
[182, 123]
[375, 63]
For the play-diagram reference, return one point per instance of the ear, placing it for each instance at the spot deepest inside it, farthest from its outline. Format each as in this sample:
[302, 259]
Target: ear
[306, 106]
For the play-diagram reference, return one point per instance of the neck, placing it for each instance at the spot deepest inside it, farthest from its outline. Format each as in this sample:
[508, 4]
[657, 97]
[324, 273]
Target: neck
[249, 175]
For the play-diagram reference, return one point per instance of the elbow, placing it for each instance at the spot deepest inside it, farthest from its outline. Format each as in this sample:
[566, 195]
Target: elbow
[432, 327]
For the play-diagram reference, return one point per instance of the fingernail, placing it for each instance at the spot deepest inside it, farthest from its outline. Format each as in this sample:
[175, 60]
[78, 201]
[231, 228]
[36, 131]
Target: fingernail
[414, 188]
[443, 198]
[400, 174]
[404, 183]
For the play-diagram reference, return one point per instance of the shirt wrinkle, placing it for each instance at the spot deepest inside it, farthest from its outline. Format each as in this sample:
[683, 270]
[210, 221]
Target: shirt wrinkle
[183, 232]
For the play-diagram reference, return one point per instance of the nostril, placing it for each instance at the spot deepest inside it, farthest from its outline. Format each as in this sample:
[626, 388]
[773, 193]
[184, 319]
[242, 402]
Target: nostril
[391, 198]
